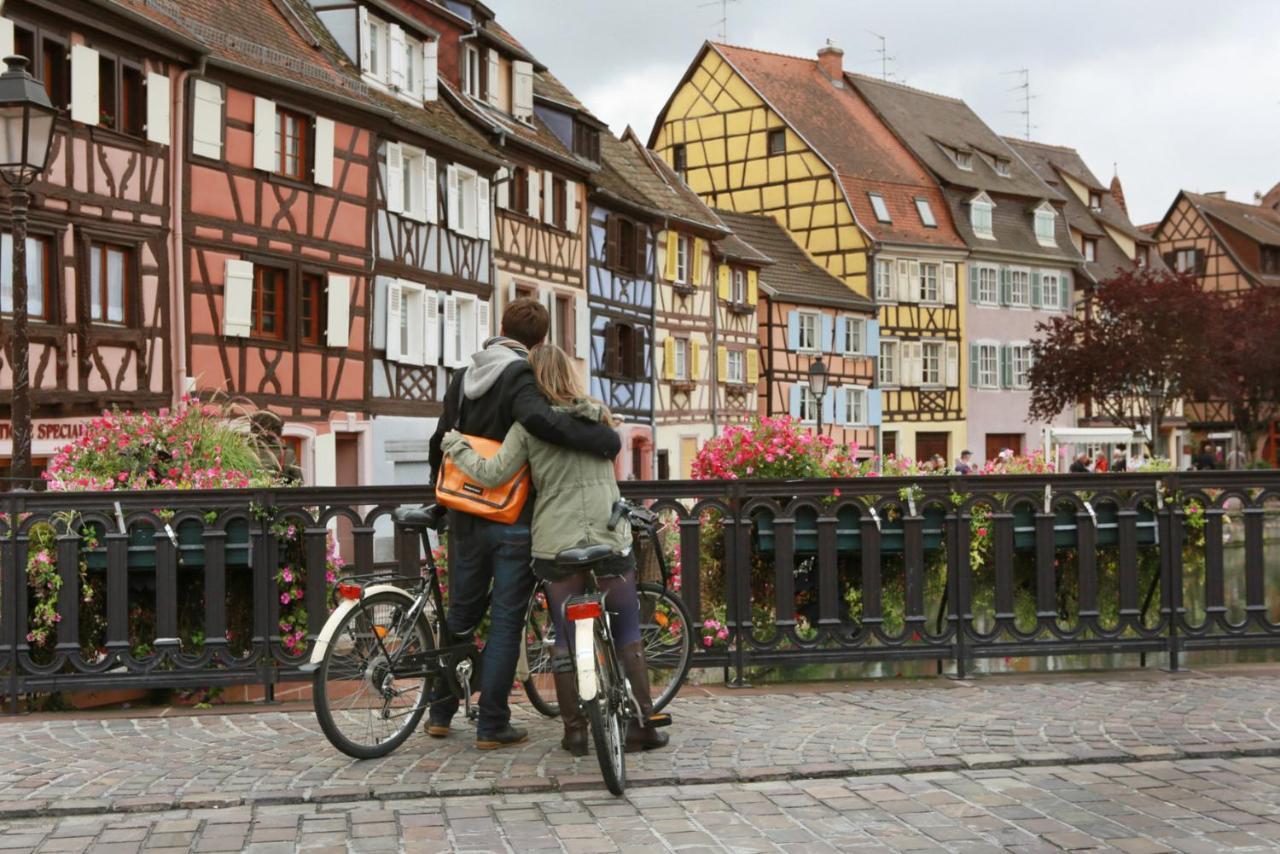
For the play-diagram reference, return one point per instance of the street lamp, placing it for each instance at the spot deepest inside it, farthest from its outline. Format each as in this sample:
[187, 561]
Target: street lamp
[818, 385]
[26, 131]
[1155, 404]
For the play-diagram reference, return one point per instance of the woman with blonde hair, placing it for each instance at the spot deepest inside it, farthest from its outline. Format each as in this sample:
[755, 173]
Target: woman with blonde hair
[574, 497]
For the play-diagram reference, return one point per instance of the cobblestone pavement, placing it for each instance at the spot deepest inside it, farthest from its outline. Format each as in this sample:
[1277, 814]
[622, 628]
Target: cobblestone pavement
[1200, 805]
[99, 764]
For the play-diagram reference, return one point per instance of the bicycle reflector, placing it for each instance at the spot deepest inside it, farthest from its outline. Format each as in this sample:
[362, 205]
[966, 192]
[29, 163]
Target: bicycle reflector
[349, 591]
[589, 610]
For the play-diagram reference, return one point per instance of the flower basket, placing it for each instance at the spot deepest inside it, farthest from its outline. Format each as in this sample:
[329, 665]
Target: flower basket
[1109, 525]
[893, 538]
[142, 546]
[848, 531]
[1024, 528]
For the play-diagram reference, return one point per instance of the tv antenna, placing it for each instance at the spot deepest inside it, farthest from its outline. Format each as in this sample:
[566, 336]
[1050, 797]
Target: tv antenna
[883, 53]
[724, 15]
[1025, 88]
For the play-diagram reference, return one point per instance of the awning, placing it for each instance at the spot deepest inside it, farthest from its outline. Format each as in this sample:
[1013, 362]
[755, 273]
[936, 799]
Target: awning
[1091, 435]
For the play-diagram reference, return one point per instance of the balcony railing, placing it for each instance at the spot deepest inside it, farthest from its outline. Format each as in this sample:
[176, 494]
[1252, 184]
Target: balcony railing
[190, 589]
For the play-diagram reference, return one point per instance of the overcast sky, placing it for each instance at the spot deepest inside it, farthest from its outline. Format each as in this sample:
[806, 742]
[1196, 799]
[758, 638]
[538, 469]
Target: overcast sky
[1175, 93]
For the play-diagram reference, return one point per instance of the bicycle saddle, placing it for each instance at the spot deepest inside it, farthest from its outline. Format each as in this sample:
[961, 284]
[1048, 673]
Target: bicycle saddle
[583, 555]
[429, 516]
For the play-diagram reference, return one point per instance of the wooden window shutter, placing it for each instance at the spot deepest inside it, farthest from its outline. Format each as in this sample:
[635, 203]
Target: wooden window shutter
[6, 37]
[431, 180]
[753, 286]
[697, 273]
[502, 188]
[395, 178]
[915, 291]
[975, 364]
[722, 364]
[641, 261]
[483, 209]
[673, 242]
[612, 227]
[1064, 296]
[430, 69]
[582, 326]
[395, 309]
[1202, 262]
[534, 201]
[237, 298]
[639, 351]
[323, 169]
[84, 85]
[522, 89]
[1006, 286]
[695, 358]
[451, 356]
[669, 358]
[793, 404]
[1006, 366]
[571, 206]
[158, 100]
[264, 134]
[366, 39]
[1037, 295]
[952, 377]
[482, 323]
[398, 74]
[431, 328]
[325, 466]
[903, 289]
[948, 283]
[491, 77]
[338, 299]
[206, 120]
[612, 360]
[722, 285]
[753, 366]
[453, 198]
[548, 197]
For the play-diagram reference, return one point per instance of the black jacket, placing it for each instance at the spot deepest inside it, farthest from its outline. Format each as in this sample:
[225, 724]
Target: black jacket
[515, 397]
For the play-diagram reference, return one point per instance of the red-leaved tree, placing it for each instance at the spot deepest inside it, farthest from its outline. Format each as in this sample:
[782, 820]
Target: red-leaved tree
[1244, 359]
[1140, 343]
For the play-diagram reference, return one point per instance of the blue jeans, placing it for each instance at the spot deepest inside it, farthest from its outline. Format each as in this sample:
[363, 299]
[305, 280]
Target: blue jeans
[482, 554]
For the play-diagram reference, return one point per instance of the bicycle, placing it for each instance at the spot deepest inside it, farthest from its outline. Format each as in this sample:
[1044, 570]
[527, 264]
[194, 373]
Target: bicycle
[665, 629]
[604, 691]
[384, 646]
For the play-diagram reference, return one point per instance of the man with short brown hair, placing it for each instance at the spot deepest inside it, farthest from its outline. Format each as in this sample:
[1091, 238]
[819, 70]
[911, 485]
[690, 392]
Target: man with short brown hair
[494, 391]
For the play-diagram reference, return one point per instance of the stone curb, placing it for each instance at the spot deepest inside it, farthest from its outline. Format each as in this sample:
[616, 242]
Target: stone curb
[986, 763]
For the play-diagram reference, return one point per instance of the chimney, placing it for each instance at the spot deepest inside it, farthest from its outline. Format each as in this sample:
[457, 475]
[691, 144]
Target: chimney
[1117, 193]
[831, 62]
[1217, 194]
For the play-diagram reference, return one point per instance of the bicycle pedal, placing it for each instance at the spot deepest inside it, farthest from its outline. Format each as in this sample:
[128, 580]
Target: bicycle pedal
[660, 720]
[473, 713]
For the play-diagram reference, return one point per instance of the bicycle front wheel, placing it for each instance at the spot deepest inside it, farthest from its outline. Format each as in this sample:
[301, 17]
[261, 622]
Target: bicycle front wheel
[607, 714]
[666, 633]
[365, 709]
[539, 639]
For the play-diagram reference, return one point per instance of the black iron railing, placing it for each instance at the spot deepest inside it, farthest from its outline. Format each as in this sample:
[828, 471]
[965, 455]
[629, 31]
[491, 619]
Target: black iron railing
[184, 589]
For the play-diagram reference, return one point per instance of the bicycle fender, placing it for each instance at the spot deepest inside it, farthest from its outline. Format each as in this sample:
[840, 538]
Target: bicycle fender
[584, 654]
[344, 607]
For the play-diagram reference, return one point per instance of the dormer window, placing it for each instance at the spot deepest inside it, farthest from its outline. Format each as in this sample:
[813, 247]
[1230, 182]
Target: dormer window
[471, 83]
[980, 216]
[1046, 220]
[964, 160]
[1002, 167]
[378, 48]
[393, 58]
[879, 207]
[926, 213]
[1095, 200]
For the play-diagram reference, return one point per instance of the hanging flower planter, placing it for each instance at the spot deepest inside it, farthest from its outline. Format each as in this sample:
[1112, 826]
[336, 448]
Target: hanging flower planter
[1024, 528]
[191, 548]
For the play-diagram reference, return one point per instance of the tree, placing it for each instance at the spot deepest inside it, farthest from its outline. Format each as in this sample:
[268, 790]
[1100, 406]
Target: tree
[1139, 345]
[1244, 350]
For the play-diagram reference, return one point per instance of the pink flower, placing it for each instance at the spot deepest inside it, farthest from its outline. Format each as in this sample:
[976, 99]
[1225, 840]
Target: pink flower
[707, 641]
[284, 598]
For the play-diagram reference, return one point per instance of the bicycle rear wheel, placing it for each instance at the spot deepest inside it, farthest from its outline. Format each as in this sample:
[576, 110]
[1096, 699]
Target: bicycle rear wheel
[608, 720]
[364, 709]
[667, 634]
[539, 638]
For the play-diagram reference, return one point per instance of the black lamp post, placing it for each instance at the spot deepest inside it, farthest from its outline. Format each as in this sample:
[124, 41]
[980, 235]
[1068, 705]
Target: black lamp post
[1155, 404]
[818, 385]
[26, 131]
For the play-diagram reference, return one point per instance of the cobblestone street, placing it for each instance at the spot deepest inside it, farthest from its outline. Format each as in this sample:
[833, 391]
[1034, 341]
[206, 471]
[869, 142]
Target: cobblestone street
[1132, 762]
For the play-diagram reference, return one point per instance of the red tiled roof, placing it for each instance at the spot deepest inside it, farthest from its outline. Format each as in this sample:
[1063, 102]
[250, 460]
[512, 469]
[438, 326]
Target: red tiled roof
[843, 129]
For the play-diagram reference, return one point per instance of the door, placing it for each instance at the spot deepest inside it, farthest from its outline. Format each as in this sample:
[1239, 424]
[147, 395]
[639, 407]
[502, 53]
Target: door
[928, 444]
[347, 467]
[889, 444]
[997, 442]
[688, 450]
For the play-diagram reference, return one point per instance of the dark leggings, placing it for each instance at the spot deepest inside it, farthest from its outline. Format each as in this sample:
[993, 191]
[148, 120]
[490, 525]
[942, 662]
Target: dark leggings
[620, 598]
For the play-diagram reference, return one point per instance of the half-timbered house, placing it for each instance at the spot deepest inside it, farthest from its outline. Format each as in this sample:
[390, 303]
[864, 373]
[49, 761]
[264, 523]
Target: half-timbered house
[1230, 247]
[738, 265]
[806, 313]
[757, 132]
[1020, 269]
[99, 255]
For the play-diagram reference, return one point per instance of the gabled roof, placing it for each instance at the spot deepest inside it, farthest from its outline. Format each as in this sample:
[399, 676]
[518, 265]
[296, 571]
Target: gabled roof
[1012, 223]
[793, 276]
[927, 122]
[1258, 223]
[842, 128]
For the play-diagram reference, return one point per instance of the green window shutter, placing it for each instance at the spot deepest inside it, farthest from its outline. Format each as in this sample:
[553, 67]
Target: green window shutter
[1006, 366]
[1006, 287]
[974, 354]
[973, 283]
[1037, 297]
[1064, 285]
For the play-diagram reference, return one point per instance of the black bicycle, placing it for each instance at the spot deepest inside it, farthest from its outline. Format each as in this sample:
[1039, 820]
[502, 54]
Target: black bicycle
[382, 650]
[665, 628]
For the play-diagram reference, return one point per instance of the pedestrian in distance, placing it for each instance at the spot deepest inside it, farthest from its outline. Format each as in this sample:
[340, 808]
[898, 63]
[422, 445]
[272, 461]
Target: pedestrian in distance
[1080, 465]
[964, 465]
[1119, 460]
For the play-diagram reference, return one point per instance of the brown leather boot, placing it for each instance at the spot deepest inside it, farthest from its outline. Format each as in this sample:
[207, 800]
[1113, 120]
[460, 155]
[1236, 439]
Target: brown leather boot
[640, 734]
[575, 725]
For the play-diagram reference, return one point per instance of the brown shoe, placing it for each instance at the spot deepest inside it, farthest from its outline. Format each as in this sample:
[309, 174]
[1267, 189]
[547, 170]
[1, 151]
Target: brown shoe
[575, 725]
[505, 737]
[641, 735]
[437, 727]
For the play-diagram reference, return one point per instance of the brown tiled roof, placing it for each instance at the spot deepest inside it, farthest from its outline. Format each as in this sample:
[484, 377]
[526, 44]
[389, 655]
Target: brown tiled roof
[734, 248]
[625, 174]
[793, 275]
[1012, 223]
[668, 193]
[1254, 221]
[844, 130]
[926, 121]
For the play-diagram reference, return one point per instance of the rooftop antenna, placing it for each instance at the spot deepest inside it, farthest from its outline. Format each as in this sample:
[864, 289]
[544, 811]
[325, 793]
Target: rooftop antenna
[1027, 98]
[724, 15]
[883, 53]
